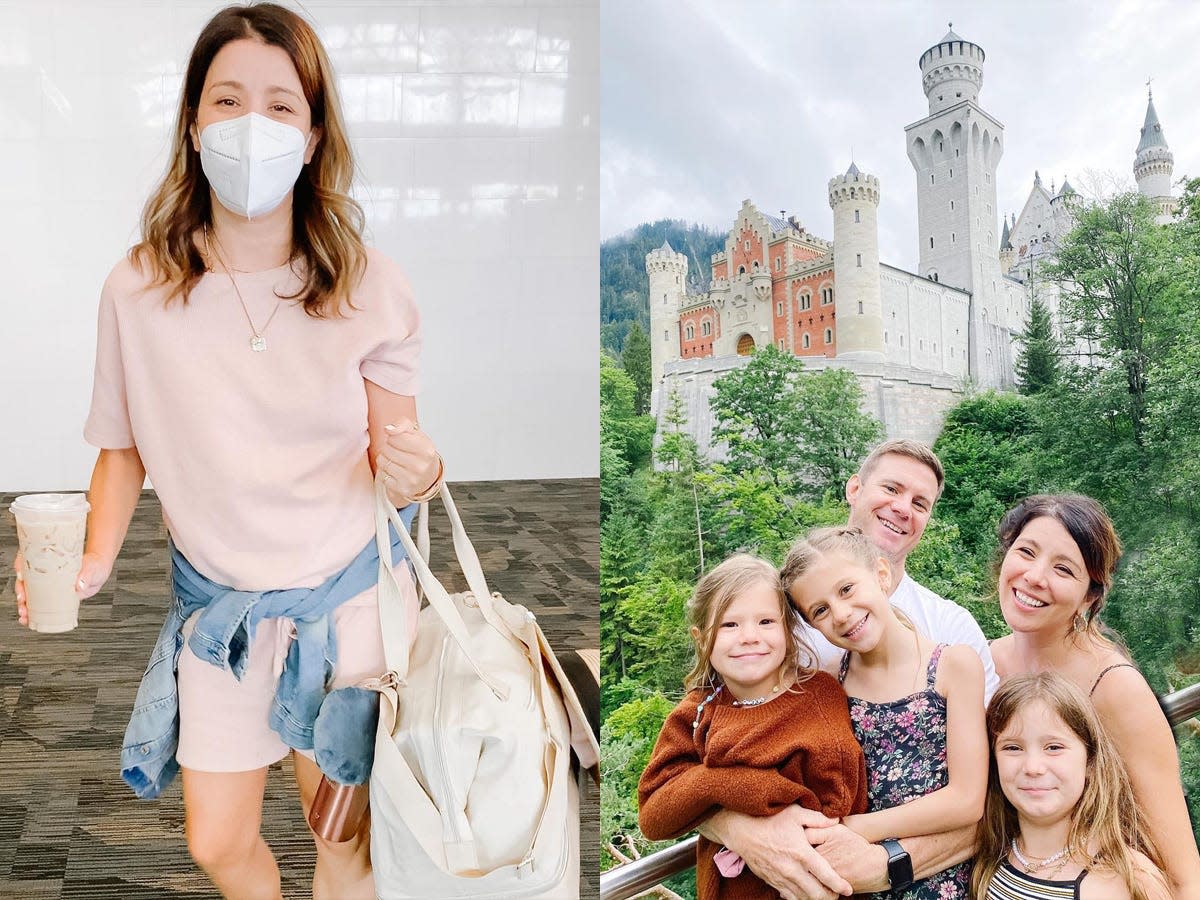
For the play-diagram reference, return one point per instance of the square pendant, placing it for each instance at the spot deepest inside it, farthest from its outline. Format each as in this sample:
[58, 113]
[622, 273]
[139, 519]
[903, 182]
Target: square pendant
[258, 343]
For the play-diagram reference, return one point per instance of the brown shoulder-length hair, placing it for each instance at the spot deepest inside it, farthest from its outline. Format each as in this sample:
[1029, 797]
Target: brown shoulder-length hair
[1093, 532]
[1106, 822]
[327, 224]
[713, 594]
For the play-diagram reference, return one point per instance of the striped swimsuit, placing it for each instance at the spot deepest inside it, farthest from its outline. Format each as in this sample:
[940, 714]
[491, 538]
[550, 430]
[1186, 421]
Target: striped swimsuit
[1010, 884]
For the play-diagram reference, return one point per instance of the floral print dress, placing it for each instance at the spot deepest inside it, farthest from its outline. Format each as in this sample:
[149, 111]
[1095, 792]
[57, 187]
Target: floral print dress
[905, 745]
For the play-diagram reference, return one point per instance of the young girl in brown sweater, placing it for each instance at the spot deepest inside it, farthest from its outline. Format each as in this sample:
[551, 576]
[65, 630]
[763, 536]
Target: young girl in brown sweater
[759, 729]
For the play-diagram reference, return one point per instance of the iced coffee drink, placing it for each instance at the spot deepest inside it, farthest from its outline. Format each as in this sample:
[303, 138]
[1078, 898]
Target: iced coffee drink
[50, 531]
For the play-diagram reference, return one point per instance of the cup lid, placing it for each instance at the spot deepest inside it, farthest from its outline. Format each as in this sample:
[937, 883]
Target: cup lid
[51, 502]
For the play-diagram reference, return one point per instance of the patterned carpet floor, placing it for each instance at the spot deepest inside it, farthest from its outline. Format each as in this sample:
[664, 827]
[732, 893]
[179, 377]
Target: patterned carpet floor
[70, 828]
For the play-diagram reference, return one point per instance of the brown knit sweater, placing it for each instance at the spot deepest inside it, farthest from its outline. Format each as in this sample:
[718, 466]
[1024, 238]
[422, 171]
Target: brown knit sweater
[798, 748]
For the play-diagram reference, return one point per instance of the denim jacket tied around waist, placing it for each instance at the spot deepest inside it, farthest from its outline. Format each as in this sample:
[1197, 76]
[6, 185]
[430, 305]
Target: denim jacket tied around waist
[222, 636]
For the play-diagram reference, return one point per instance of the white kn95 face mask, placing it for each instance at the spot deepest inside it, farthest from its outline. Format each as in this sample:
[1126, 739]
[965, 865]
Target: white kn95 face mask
[251, 162]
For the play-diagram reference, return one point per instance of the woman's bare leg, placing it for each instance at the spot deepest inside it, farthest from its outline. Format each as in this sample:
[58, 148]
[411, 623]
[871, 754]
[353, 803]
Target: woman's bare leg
[343, 870]
[223, 820]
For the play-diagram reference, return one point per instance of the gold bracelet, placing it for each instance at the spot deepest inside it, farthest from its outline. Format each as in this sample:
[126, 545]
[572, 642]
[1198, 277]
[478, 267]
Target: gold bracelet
[432, 491]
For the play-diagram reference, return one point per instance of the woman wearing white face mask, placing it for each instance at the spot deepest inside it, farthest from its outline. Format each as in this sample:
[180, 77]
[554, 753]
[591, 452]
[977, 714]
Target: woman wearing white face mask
[259, 364]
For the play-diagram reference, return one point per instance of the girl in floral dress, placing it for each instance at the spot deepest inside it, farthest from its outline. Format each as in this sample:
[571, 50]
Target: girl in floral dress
[916, 707]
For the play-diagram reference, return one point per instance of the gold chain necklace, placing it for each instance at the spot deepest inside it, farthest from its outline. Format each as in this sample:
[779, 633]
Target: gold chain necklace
[258, 343]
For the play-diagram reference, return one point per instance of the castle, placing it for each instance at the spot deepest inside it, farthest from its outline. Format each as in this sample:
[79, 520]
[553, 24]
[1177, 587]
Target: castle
[916, 340]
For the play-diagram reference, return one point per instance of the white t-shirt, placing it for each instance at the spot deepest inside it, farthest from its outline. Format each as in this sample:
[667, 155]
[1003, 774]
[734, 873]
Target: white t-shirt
[942, 621]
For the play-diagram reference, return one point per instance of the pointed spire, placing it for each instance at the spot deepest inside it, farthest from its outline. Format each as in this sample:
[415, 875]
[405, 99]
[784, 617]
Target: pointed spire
[852, 171]
[667, 246]
[950, 35]
[1066, 188]
[1152, 133]
[1004, 235]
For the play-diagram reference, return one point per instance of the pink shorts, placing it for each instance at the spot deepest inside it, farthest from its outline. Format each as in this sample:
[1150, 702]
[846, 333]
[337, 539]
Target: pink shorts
[223, 722]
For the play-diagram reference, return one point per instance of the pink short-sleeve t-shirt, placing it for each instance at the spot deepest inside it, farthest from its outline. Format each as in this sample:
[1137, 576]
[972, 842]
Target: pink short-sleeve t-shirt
[258, 458]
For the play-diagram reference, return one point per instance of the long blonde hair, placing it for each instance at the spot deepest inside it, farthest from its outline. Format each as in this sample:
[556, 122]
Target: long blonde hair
[1106, 817]
[712, 597]
[327, 224]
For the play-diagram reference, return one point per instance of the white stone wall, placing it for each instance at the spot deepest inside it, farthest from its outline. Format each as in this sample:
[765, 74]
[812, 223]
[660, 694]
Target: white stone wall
[925, 323]
[910, 403]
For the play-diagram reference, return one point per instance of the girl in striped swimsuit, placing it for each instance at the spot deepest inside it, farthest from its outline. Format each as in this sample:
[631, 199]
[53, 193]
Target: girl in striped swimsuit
[1060, 819]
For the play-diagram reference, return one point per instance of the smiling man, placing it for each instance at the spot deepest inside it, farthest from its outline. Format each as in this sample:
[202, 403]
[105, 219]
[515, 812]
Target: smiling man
[891, 498]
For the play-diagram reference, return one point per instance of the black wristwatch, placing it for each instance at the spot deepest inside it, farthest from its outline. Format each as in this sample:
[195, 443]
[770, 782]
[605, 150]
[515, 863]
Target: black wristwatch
[900, 874]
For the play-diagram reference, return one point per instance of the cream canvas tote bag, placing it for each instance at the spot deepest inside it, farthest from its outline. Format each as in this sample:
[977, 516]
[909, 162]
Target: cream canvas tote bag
[472, 793]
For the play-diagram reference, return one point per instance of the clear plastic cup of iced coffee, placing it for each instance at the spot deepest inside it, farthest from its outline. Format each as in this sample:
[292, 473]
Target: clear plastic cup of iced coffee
[50, 531]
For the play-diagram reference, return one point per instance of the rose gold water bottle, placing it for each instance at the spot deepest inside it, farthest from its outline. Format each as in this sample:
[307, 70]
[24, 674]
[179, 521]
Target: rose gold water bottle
[337, 811]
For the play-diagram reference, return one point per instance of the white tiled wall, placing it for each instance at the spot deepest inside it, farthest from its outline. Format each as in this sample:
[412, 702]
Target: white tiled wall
[476, 132]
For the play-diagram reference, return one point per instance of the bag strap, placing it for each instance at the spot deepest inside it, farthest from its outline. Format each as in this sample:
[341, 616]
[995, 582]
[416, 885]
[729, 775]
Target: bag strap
[391, 608]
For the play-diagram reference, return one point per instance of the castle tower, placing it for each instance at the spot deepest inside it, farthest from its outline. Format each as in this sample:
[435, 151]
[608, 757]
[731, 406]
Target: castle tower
[954, 152]
[1154, 163]
[667, 271]
[858, 305]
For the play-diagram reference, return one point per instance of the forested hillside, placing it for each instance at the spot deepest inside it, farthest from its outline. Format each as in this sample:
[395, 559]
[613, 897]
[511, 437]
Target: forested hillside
[623, 298]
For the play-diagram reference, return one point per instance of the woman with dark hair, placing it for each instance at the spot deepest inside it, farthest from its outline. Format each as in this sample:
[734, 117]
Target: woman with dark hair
[260, 365]
[1058, 557]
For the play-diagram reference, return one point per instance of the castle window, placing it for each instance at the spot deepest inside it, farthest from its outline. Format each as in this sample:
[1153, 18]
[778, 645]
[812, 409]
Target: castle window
[931, 243]
[856, 216]
[921, 345]
[859, 257]
[805, 342]
[747, 245]
[781, 343]
[665, 338]
[826, 295]
[941, 146]
[706, 328]
[952, 353]
[741, 270]
[690, 332]
[860, 307]
[952, 237]
[778, 263]
[931, 178]
[885, 337]
[901, 340]
[956, 151]
[828, 335]
[951, 173]
[806, 300]
[664, 299]
[935, 346]
[952, 204]
[779, 308]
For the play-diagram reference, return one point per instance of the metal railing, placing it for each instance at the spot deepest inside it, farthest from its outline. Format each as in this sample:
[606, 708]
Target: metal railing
[642, 874]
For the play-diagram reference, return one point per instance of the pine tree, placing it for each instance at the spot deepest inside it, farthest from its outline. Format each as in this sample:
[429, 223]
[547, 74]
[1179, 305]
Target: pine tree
[1037, 366]
[635, 359]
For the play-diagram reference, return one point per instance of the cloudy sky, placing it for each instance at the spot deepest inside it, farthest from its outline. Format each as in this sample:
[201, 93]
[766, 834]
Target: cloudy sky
[709, 102]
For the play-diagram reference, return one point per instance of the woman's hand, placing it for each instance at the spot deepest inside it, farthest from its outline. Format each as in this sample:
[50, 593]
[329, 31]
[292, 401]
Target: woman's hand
[409, 462]
[93, 573]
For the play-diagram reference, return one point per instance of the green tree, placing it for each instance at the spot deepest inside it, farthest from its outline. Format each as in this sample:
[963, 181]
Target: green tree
[1038, 359]
[1112, 275]
[803, 431]
[635, 359]
[621, 428]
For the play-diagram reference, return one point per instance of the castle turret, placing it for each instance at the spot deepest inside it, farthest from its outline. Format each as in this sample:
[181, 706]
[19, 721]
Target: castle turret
[667, 271]
[1154, 163]
[951, 72]
[858, 304]
[1008, 255]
